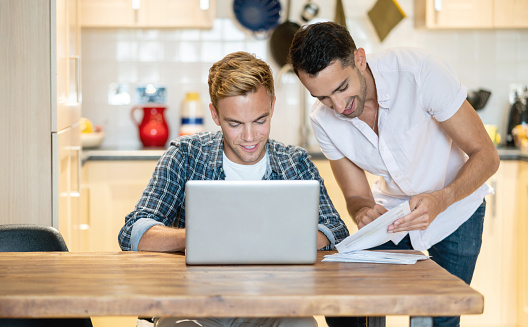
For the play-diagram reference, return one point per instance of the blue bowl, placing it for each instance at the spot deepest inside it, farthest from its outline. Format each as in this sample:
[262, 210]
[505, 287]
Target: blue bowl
[257, 15]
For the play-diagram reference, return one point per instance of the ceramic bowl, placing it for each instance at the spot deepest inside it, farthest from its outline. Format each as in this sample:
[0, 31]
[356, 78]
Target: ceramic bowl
[92, 140]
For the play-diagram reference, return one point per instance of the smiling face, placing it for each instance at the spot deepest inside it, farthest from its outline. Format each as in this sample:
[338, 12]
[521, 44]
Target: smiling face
[245, 121]
[343, 89]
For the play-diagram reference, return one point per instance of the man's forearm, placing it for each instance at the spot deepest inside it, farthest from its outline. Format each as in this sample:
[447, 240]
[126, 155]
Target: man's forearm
[162, 239]
[475, 172]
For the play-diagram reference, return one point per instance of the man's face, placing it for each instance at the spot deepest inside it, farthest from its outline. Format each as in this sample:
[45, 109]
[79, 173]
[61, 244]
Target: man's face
[245, 121]
[341, 88]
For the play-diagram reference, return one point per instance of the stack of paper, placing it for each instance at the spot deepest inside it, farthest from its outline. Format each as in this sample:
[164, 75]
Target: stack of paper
[375, 233]
[375, 257]
[351, 249]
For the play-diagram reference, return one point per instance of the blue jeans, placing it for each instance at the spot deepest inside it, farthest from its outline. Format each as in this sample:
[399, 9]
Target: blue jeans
[457, 254]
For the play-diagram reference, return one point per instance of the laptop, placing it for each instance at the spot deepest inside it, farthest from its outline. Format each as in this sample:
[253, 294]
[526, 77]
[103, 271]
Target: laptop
[251, 222]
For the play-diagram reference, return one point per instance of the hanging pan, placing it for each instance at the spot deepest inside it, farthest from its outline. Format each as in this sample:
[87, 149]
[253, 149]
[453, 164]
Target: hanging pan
[259, 16]
[282, 37]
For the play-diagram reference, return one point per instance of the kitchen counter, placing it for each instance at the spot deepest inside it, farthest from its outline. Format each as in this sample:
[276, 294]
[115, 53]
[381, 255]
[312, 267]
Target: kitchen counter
[505, 153]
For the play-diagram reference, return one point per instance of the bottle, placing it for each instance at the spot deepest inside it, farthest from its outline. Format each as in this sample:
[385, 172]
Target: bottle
[192, 120]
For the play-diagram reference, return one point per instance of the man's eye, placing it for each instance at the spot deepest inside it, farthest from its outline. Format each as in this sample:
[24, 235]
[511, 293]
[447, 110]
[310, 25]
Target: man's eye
[261, 122]
[233, 125]
[343, 88]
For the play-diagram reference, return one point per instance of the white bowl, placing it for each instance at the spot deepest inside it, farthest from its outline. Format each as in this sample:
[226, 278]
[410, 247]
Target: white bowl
[92, 140]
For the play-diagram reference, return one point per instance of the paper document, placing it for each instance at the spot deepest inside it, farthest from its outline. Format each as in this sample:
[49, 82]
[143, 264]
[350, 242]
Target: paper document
[375, 233]
[375, 257]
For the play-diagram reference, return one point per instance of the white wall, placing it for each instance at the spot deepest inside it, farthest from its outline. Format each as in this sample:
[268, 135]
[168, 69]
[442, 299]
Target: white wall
[180, 60]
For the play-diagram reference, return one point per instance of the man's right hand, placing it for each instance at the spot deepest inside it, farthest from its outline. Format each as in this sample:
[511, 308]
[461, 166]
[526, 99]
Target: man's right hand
[367, 215]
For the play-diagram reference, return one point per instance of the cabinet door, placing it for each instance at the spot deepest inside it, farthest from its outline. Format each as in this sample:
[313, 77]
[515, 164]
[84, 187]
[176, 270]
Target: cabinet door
[148, 13]
[454, 13]
[68, 152]
[496, 266]
[522, 275]
[67, 44]
[114, 189]
[180, 13]
[111, 13]
[511, 13]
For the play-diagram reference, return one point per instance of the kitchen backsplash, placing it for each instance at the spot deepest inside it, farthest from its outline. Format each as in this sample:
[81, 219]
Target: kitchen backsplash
[180, 60]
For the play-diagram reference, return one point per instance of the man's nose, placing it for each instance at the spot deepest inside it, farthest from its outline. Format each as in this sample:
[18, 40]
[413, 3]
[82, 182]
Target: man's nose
[248, 133]
[339, 104]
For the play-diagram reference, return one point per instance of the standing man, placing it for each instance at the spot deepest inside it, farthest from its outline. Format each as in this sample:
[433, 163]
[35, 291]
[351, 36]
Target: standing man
[400, 114]
[242, 103]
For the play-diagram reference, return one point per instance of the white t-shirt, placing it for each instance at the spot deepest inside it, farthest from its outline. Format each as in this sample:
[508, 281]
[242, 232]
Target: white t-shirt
[238, 172]
[412, 153]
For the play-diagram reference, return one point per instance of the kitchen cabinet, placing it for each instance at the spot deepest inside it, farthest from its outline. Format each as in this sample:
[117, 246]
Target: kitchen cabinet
[148, 13]
[497, 262]
[448, 14]
[113, 189]
[41, 109]
[522, 237]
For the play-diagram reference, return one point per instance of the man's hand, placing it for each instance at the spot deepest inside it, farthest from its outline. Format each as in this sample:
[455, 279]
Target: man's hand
[367, 215]
[424, 209]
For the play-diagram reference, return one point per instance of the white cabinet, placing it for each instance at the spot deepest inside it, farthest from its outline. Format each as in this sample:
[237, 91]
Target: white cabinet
[522, 237]
[148, 13]
[497, 263]
[38, 106]
[448, 14]
[113, 189]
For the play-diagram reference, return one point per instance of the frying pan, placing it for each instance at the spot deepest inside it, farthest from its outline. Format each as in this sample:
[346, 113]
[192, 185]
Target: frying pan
[282, 37]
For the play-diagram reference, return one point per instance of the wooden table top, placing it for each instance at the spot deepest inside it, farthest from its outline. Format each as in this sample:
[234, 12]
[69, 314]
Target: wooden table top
[66, 284]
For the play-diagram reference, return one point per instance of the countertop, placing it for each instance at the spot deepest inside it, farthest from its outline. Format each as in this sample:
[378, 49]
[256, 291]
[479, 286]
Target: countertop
[505, 153]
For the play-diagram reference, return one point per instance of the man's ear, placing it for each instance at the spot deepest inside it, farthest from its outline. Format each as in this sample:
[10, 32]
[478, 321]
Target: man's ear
[360, 59]
[214, 114]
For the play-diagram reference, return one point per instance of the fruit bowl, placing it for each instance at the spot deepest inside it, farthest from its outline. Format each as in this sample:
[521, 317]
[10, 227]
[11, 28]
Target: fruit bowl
[92, 140]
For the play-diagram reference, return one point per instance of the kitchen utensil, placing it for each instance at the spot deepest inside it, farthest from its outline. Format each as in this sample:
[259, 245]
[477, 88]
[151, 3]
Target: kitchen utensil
[518, 116]
[340, 17]
[153, 129]
[259, 16]
[310, 11]
[282, 37]
[478, 99]
[384, 16]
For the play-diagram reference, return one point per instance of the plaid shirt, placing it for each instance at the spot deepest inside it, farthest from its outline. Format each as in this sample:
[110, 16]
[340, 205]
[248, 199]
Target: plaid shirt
[200, 157]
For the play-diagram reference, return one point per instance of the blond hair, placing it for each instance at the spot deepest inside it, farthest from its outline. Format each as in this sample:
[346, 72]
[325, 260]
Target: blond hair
[239, 73]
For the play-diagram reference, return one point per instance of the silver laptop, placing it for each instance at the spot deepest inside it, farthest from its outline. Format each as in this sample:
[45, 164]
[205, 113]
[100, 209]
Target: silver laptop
[251, 222]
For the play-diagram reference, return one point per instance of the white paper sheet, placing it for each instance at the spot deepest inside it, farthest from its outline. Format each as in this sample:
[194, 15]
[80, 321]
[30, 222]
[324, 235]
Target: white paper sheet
[375, 257]
[375, 233]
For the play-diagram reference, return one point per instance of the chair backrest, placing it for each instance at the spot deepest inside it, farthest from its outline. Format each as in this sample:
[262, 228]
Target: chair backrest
[35, 238]
[30, 238]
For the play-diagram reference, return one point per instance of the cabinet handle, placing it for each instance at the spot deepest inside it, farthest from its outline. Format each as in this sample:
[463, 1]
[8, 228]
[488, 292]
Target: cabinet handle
[77, 78]
[438, 5]
[78, 191]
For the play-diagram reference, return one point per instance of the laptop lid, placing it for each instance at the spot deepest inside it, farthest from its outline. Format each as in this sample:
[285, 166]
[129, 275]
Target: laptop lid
[251, 222]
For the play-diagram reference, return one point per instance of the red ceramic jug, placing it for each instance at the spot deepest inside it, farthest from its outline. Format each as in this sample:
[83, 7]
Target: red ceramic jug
[153, 129]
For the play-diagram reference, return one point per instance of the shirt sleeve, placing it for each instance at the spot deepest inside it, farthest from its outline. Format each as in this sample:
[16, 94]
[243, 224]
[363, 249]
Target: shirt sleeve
[442, 93]
[159, 203]
[330, 223]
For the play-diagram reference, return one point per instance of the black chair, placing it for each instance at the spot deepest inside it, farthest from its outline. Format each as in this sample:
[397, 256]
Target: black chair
[35, 238]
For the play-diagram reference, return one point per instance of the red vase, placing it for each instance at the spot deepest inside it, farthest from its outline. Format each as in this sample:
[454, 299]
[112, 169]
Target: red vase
[153, 129]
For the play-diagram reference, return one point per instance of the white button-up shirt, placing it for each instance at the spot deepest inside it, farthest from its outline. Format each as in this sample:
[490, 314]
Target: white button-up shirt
[412, 153]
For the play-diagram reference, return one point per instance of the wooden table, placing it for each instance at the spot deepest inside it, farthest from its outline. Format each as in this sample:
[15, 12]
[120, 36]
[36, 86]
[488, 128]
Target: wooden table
[147, 284]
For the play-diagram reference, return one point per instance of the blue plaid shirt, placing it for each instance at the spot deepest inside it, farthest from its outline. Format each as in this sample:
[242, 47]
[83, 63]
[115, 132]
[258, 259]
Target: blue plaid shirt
[199, 157]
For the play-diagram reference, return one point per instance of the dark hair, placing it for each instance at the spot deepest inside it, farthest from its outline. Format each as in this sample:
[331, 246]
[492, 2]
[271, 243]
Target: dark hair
[316, 46]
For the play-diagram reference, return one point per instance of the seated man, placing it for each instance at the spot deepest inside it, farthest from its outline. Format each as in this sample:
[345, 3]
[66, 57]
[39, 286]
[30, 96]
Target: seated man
[242, 103]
